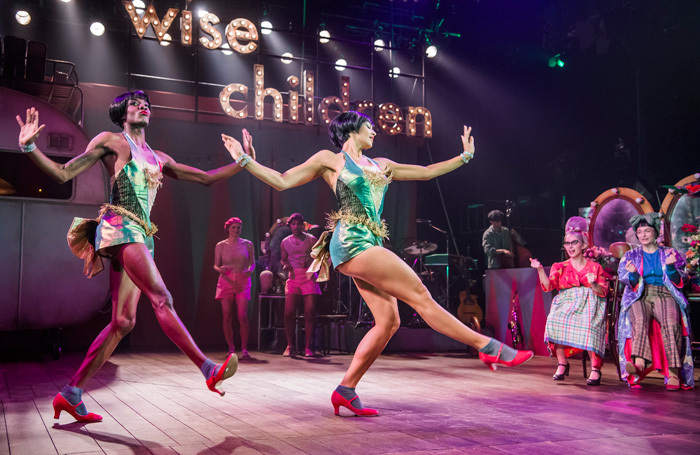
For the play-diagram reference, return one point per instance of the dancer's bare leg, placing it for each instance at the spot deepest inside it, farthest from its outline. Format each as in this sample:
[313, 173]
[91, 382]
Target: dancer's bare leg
[386, 322]
[561, 359]
[387, 272]
[139, 265]
[291, 301]
[227, 312]
[125, 298]
[309, 315]
[242, 305]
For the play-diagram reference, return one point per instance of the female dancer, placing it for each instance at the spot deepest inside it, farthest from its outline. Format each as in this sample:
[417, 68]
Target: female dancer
[124, 233]
[577, 317]
[234, 259]
[296, 258]
[356, 248]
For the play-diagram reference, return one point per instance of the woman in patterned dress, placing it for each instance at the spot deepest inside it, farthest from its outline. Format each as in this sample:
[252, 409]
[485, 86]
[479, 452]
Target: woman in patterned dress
[576, 319]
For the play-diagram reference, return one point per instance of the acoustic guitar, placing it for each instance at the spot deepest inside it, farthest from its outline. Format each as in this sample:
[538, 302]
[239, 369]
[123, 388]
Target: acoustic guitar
[469, 311]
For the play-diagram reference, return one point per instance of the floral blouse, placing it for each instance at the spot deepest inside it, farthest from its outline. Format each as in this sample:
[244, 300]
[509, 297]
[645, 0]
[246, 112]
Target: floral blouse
[563, 275]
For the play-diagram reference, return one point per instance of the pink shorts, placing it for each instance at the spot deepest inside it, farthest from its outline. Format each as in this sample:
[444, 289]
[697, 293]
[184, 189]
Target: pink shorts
[302, 285]
[239, 288]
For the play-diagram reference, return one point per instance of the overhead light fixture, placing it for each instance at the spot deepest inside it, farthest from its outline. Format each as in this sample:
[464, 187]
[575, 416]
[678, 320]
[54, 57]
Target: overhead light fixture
[340, 64]
[324, 36]
[266, 27]
[97, 28]
[226, 49]
[140, 6]
[556, 61]
[287, 58]
[65, 1]
[379, 45]
[166, 40]
[394, 72]
[431, 51]
[23, 17]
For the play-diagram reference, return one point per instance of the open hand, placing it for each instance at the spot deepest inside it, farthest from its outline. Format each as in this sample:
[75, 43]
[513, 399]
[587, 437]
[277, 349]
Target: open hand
[468, 141]
[590, 277]
[248, 143]
[233, 146]
[630, 267]
[29, 130]
[535, 264]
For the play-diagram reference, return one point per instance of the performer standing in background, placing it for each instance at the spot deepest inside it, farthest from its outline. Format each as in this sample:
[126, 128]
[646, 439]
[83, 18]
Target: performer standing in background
[355, 247]
[576, 319]
[234, 259]
[124, 234]
[497, 243]
[654, 310]
[296, 258]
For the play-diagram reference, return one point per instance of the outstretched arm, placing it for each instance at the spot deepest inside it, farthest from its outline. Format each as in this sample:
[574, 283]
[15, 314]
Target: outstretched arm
[186, 173]
[312, 168]
[30, 131]
[415, 172]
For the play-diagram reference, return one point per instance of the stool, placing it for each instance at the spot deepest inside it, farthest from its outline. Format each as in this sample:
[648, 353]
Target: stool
[325, 323]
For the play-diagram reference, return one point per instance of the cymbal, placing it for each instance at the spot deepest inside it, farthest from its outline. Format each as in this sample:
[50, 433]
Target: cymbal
[420, 248]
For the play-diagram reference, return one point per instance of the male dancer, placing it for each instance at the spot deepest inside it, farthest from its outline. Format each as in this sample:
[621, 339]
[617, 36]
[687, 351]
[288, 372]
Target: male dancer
[124, 234]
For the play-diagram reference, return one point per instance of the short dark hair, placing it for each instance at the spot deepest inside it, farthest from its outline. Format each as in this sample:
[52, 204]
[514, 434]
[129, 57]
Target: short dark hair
[344, 124]
[295, 216]
[117, 110]
[643, 223]
[495, 215]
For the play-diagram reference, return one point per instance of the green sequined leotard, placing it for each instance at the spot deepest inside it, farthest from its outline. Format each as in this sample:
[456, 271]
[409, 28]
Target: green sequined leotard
[357, 224]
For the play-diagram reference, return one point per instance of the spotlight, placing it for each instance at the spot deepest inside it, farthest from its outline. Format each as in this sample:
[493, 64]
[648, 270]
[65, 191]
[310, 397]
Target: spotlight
[287, 58]
[266, 27]
[97, 28]
[23, 17]
[166, 40]
[431, 51]
[340, 64]
[226, 49]
[324, 36]
[139, 5]
[556, 61]
[202, 12]
[379, 45]
[65, 1]
[394, 72]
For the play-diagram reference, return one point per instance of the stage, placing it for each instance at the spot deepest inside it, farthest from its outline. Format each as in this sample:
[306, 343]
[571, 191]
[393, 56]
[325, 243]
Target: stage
[157, 403]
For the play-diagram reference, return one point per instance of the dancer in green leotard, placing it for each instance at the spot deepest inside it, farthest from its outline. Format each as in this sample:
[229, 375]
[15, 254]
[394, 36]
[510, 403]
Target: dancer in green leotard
[356, 248]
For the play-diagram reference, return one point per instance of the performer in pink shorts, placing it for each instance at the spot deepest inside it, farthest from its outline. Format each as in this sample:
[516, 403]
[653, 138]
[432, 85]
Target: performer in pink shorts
[296, 258]
[234, 259]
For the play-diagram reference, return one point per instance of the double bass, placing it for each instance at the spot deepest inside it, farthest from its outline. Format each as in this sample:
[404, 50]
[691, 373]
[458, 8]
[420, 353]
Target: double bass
[521, 255]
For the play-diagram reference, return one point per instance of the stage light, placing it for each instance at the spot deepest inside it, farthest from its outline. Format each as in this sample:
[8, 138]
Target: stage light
[65, 1]
[226, 49]
[287, 58]
[379, 45]
[556, 61]
[394, 72]
[340, 64]
[324, 36]
[140, 6]
[266, 27]
[166, 40]
[202, 12]
[97, 28]
[23, 17]
[431, 51]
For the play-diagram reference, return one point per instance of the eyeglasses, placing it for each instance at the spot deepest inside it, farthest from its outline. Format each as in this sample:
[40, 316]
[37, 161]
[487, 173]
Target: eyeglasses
[572, 243]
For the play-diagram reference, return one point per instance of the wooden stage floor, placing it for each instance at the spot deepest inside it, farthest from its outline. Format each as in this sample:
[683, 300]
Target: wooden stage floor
[157, 403]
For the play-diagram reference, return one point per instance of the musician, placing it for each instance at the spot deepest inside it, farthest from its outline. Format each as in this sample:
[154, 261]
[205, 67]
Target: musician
[497, 243]
[653, 325]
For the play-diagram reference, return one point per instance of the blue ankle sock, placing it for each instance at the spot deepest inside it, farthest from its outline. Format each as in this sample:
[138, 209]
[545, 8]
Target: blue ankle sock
[74, 395]
[349, 393]
[209, 368]
[507, 353]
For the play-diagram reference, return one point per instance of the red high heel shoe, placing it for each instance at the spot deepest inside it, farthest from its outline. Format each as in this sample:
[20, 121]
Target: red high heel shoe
[338, 401]
[61, 404]
[227, 369]
[492, 361]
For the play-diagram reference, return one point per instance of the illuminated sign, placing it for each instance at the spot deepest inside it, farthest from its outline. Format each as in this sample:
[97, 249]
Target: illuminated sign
[242, 36]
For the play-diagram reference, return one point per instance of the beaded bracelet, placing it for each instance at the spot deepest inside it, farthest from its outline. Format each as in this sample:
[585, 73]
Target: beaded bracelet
[466, 156]
[243, 160]
[27, 148]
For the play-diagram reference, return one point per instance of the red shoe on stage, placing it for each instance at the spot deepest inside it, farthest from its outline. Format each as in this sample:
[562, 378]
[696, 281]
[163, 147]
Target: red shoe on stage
[338, 401]
[61, 404]
[493, 361]
[227, 369]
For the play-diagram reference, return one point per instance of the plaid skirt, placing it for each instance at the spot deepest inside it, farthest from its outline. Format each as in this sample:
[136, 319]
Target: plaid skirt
[577, 320]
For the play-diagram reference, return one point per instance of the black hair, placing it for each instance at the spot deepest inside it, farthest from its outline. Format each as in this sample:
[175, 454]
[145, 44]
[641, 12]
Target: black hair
[117, 110]
[295, 216]
[495, 215]
[643, 223]
[344, 124]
